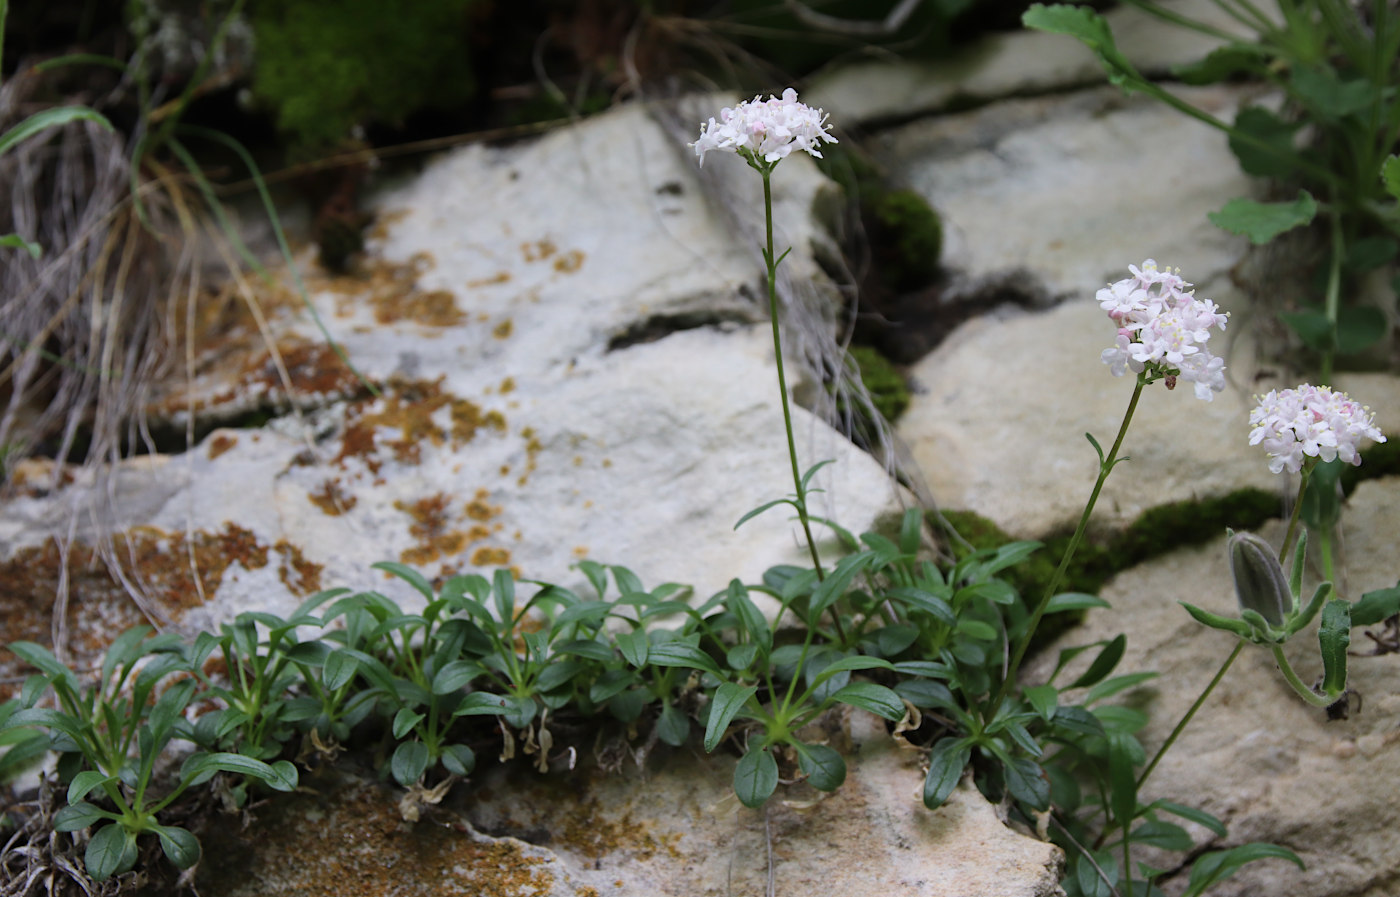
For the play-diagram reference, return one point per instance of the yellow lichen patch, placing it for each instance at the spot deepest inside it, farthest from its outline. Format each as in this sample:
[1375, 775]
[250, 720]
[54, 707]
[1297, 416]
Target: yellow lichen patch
[312, 368]
[486, 556]
[479, 509]
[569, 262]
[408, 407]
[332, 499]
[220, 444]
[507, 385]
[431, 528]
[533, 447]
[538, 251]
[172, 569]
[300, 576]
[498, 278]
[349, 839]
[437, 308]
[503, 329]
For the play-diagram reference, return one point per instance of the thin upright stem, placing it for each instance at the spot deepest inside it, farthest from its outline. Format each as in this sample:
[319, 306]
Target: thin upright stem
[772, 261]
[1186, 718]
[1293, 518]
[1105, 468]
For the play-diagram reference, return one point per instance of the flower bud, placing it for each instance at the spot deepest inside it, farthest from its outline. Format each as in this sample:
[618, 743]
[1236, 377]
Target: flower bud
[1260, 583]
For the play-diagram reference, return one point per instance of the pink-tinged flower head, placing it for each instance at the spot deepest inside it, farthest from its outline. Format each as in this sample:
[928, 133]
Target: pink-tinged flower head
[1310, 422]
[1163, 328]
[767, 130]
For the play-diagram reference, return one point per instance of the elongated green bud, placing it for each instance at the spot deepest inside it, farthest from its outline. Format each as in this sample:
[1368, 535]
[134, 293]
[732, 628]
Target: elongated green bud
[1260, 583]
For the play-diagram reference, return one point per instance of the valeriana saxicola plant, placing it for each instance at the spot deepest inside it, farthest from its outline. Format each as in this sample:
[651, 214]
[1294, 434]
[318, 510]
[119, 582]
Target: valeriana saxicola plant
[1163, 329]
[764, 133]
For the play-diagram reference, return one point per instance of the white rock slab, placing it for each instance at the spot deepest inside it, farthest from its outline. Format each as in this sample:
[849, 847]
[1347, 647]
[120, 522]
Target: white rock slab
[1256, 756]
[1073, 188]
[1010, 64]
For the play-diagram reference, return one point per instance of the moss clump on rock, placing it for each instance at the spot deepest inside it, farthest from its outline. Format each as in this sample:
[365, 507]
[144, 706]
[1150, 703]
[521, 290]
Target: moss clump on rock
[907, 239]
[325, 66]
[888, 390]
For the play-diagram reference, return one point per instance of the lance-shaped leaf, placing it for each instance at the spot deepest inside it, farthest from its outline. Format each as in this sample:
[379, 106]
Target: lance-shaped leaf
[1333, 637]
[729, 699]
[1215, 621]
[946, 763]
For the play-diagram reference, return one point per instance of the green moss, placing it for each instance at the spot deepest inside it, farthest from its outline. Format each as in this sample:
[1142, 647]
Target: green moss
[325, 66]
[908, 238]
[886, 385]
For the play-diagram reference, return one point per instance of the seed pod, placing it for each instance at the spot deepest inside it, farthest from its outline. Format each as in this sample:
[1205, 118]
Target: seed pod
[1260, 583]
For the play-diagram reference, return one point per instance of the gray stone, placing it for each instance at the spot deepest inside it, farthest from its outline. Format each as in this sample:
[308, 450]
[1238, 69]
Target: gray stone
[1258, 757]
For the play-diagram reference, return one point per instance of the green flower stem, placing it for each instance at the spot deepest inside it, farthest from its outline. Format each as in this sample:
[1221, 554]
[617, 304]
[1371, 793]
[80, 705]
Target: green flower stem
[1293, 519]
[772, 261]
[1307, 694]
[1105, 468]
[1186, 718]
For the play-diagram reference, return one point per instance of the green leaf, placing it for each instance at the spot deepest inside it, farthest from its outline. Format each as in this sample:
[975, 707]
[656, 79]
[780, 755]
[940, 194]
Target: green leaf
[112, 850]
[1376, 606]
[1122, 778]
[634, 647]
[503, 586]
[589, 613]
[924, 693]
[1078, 720]
[1262, 221]
[753, 622]
[15, 241]
[199, 768]
[339, 668]
[1164, 835]
[760, 509]
[1390, 175]
[1223, 63]
[409, 761]
[877, 699]
[1103, 664]
[49, 118]
[480, 703]
[824, 767]
[179, 845]
[405, 720]
[1215, 621]
[676, 653]
[1263, 143]
[1327, 97]
[1089, 28]
[1313, 327]
[1369, 253]
[672, 726]
[729, 699]
[1113, 686]
[1066, 601]
[1216, 866]
[946, 763]
[78, 815]
[1333, 638]
[1026, 782]
[1043, 699]
[1190, 814]
[741, 656]
[25, 751]
[976, 629]
[995, 591]
[84, 782]
[851, 662]
[42, 659]
[920, 599]
[408, 575]
[1359, 327]
[755, 777]
[455, 675]
[459, 759]
[838, 580]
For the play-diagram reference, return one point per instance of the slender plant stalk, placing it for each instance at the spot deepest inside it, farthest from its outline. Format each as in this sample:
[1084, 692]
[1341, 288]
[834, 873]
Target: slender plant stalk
[1307, 694]
[1293, 518]
[1105, 468]
[1186, 718]
[772, 260]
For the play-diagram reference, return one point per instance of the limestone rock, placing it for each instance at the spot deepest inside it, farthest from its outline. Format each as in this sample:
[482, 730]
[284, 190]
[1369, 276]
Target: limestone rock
[1268, 765]
[675, 831]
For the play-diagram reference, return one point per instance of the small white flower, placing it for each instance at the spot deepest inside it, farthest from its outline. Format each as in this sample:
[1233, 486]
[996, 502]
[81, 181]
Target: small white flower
[1163, 328]
[767, 130]
[1310, 422]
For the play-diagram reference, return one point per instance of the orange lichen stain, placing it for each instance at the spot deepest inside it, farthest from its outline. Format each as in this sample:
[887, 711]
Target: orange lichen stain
[479, 509]
[503, 329]
[507, 385]
[300, 576]
[580, 551]
[505, 470]
[588, 504]
[477, 532]
[382, 220]
[220, 444]
[538, 251]
[497, 278]
[591, 833]
[349, 838]
[491, 557]
[332, 499]
[312, 368]
[533, 447]
[430, 527]
[437, 308]
[607, 462]
[174, 570]
[569, 262]
[408, 406]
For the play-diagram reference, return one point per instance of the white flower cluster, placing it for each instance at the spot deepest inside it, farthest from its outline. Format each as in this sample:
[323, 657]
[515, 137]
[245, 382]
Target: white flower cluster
[765, 129]
[1164, 327]
[1310, 421]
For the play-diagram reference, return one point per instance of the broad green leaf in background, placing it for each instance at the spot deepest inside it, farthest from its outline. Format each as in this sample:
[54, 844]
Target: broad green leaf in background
[1262, 221]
